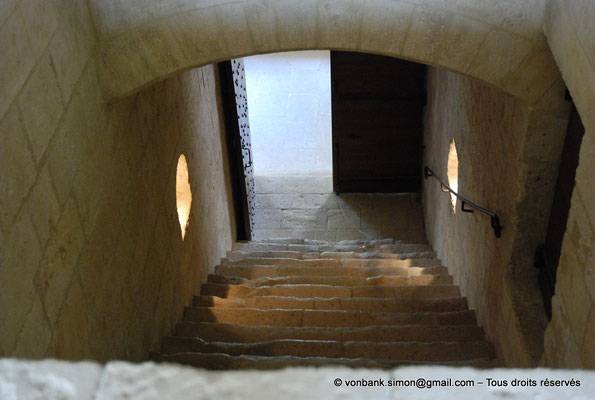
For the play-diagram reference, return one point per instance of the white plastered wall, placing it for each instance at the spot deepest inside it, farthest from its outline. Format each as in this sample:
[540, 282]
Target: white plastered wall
[289, 106]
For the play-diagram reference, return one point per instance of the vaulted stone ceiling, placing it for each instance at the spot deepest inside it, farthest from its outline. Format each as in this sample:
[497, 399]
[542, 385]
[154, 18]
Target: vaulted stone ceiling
[499, 42]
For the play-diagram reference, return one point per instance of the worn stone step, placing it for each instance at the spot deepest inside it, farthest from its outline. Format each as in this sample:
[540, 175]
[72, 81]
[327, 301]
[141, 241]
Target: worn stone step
[343, 263]
[328, 318]
[415, 351]
[220, 361]
[341, 255]
[336, 303]
[326, 291]
[336, 255]
[270, 271]
[248, 246]
[369, 242]
[358, 303]
[382, 280]
[235, 255]
[223, 332]
[383, 248]
[278, 246]
[287, 241]
[326, 246]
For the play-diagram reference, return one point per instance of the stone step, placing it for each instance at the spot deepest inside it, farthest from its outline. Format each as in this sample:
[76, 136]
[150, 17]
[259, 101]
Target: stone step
[222, 332]
[336, 303]
[321, 247]
[324, 242]
[344, 263]
[340, 255]
[253, 246]
[410, 351]
[336, 255]
[219, 361]
[326, 291]
[270, 271]
[291, 302]
[235, 255]
[327, 318]
[284, 241]
[350, 242]
[381, 248]
[382, 280]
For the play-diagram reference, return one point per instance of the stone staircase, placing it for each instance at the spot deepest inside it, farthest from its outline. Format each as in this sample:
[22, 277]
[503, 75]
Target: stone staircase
[287, 302]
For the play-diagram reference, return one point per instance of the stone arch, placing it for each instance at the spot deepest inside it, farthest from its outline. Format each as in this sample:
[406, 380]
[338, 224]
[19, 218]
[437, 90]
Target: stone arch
[500, 44]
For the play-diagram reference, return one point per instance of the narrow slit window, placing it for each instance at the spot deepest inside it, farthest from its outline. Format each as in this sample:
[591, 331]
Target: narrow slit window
[453, 173]
[183, 194]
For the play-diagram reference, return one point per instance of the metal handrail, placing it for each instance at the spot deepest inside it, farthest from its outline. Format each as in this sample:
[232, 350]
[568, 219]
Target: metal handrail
[495, 221]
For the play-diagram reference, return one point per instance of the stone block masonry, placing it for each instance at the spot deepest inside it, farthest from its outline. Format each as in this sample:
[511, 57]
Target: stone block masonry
[570, 336]
[305, 207]
[92, 262]
[497, 275]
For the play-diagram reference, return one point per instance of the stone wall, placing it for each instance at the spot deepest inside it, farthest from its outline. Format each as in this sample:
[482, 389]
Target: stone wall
[488, 128]
[289, 105]
[570, 336]
[92, 263]
[306, 207]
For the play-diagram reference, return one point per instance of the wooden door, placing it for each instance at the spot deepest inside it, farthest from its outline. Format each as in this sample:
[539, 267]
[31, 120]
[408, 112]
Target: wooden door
[377, 108]
[237, 125]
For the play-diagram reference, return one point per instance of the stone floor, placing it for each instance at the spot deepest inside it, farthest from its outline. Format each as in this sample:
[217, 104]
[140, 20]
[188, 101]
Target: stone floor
[306, 207]
[53, 380]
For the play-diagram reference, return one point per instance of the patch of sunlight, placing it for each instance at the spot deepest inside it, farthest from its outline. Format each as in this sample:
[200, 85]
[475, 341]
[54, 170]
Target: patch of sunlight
[452, 173]
[183, 194]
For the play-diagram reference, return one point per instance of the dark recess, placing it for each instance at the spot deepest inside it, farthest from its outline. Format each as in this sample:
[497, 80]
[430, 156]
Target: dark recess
[547, 255]
[377, 113]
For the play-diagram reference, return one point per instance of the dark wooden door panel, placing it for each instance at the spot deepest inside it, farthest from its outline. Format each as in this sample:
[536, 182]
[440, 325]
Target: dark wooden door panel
[377, 121]
[360, 74]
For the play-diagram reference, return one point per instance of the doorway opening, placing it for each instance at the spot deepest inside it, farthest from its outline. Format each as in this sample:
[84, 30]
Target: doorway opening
[328, 131]
[377, 111]
[289, 103]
